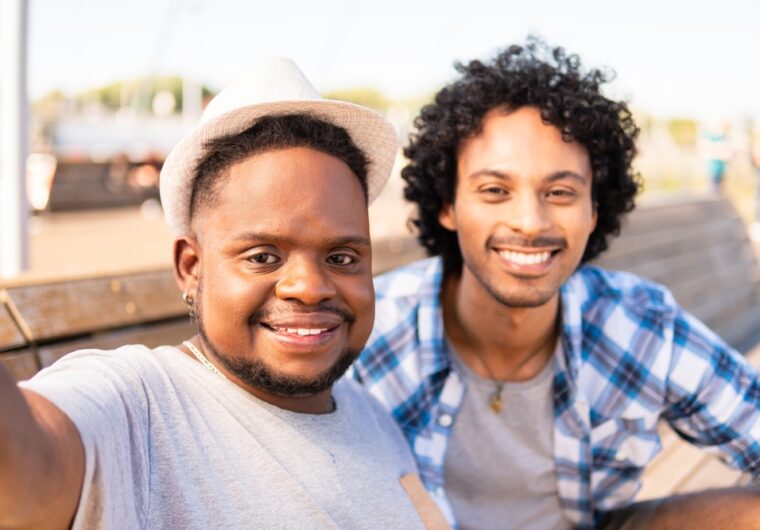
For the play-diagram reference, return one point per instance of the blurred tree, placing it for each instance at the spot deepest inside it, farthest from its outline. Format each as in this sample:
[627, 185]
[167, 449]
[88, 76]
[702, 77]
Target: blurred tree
[643, 119]
[684, 131]
[368, 97]
[49, 104]
[137, 93]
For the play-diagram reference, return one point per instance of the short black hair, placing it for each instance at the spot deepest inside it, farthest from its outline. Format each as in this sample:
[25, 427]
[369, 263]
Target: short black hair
[267, 134]
[568, 98]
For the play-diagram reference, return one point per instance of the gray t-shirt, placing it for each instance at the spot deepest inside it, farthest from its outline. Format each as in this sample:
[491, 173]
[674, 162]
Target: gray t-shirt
[499, 468]
[168, 444]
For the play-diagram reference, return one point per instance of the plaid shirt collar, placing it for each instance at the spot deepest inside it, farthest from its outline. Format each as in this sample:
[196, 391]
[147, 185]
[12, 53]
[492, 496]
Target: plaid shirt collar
[433, 359]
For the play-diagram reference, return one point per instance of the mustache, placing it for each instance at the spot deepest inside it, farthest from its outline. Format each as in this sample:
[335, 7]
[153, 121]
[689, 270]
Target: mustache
[524, 242]
[322, 307]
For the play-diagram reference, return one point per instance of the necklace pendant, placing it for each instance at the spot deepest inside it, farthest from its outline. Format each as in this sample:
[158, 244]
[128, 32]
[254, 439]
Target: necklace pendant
[496, 403]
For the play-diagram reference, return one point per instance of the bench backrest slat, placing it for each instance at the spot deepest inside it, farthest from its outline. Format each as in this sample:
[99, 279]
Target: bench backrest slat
[10, 336]
[66, 309]
[169, 333]
[21, 364]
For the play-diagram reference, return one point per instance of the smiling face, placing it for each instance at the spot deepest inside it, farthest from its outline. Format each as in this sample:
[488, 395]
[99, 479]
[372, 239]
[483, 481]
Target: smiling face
[522, 207]
[281, 272]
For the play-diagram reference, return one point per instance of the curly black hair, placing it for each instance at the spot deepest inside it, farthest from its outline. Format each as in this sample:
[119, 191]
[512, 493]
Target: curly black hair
[568, 98]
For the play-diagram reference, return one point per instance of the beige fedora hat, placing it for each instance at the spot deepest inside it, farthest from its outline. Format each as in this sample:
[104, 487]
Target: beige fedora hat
[273, 86]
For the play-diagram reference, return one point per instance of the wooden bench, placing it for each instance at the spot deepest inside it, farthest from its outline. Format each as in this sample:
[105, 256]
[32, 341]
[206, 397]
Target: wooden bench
[41, 321]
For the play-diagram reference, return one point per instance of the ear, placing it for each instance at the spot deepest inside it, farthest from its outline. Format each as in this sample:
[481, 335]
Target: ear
[187, 261]
[447, 217]
[594, 217]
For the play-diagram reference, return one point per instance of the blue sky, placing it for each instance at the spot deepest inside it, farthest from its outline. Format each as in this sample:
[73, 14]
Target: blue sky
[672, 58]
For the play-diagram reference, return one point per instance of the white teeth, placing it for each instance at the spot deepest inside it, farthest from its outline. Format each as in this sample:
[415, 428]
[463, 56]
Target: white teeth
[522, 258]
[301, 332]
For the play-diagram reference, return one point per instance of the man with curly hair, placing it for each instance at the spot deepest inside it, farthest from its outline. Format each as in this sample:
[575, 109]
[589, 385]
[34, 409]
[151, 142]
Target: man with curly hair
[529, 383]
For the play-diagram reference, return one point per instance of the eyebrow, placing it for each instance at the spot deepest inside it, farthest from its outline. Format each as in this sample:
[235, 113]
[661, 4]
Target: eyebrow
[275, 238]
[552, 177]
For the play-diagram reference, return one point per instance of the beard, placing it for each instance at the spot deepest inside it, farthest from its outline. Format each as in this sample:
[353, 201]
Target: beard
[525, 297]
[259, 374]
[527, 294]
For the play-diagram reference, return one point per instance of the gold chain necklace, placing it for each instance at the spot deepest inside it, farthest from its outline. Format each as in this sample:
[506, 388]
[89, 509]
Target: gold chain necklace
[202, 358]
[497, 405]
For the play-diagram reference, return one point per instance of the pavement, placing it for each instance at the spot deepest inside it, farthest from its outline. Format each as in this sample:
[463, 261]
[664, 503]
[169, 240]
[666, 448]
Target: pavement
[98, 241]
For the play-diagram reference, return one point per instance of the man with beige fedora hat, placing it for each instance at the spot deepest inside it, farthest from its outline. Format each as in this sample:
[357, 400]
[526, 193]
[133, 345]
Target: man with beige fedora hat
[247, 424]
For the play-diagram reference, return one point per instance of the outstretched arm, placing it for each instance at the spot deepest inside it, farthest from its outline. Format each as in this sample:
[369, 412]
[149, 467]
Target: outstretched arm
[41, 460]
[714, 396]
[735, 508]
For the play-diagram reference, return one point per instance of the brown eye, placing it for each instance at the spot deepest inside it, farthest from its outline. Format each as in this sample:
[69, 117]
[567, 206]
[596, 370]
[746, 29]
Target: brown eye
[264, 258]
[561, 193]
[342, 259]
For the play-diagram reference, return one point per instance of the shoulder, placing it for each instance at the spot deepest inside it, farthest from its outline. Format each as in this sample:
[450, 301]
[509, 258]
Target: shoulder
[369, 414]
[120, 374]
[363, 405]
[401, 292]
[616, 318]
[631, 332]
[352, 394]
[405, 346]
[130, 357]
[406, 281]
[134, 359]
[406, 300]
[592, 288]
[105, 393]
[619, 342]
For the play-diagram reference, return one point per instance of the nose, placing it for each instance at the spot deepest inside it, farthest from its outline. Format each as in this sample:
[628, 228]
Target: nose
[527, 215]
[304, 279]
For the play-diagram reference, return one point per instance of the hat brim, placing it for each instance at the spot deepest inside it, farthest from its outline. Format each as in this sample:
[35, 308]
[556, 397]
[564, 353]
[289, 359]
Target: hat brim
[369, 130]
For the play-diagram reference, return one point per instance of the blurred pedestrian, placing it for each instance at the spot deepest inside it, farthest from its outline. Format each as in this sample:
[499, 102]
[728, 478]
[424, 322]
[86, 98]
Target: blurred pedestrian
[716, 151]
[755, 158]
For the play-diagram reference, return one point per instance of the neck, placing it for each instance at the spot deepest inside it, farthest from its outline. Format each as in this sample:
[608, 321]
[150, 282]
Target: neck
[483, 330]
[320, 403]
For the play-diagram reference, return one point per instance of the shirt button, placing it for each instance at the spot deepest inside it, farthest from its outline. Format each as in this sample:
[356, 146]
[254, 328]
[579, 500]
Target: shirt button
[445, 420]
[439, 492]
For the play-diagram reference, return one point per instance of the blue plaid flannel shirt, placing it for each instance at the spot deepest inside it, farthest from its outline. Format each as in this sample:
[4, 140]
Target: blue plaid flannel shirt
[630, 356]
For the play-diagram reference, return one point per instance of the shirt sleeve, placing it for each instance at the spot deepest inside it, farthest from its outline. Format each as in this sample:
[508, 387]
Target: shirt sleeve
[714, 396]
[105, 399]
